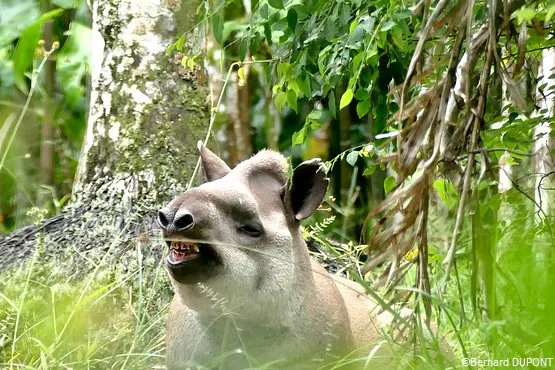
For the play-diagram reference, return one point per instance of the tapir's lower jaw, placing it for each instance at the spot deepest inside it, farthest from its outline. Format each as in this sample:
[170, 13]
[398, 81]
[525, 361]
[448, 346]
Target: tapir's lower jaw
[198, 267]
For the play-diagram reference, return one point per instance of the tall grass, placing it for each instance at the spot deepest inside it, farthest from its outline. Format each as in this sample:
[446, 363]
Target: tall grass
[105, 319]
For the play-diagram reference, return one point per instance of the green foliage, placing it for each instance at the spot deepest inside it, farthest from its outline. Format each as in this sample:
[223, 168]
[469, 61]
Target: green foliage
[27, 43]
[21, 28]
[446, 192]
[74, 62]
[97, 321]
[322, 46]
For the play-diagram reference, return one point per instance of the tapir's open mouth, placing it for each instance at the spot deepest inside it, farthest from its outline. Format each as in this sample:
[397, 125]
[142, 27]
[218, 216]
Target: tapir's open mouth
[190, 261]
[181, 251]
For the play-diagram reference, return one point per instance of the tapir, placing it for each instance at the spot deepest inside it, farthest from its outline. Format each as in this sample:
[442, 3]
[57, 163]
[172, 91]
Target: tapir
[247, 294]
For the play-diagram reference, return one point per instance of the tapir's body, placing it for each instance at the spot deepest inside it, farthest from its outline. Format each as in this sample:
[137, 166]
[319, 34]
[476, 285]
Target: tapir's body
[247, 292]
[324, 321]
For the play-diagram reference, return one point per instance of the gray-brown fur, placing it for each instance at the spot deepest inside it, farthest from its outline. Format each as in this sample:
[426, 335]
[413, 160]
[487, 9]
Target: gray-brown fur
[260, 294]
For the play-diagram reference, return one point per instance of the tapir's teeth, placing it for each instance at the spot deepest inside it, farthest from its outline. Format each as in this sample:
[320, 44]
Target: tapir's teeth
[183, 246]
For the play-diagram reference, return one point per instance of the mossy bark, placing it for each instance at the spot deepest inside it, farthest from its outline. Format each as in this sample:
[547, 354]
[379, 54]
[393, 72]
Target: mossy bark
[147, 112]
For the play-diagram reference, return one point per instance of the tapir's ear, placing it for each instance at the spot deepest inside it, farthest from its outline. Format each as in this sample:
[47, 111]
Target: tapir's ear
[213, 167]
[306, 189]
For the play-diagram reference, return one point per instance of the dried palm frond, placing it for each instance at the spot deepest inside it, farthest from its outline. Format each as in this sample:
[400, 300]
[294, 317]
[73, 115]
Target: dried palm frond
[438, 125]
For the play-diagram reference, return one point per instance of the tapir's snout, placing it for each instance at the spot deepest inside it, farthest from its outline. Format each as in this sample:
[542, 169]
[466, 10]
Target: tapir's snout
[186, 224]
[175, 220]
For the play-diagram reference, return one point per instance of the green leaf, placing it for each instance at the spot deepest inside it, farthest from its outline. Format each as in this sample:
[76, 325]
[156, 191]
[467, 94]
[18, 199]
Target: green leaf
[292, 99]
[353, 25]
[524, 14]
[302, 11]
[369, 171]
[179, 43]
[268, 33]
[357, 60]
[447, 192]
[330, 29]
[388, 25]
[280, 100]
[304, 85]
[241, 73]
[346, 98]
[218, 27]
[255, 43]
[352, 158]
[292, 19]
[389, 184]
[399, 41]
[548, 15]
[315, 115]
[362, 108]
[332, 104]
[277, 4]
[264, 11]
[293, 85]
[24, 53]
[362, 94]
[299, 137]
[74, 62]
[243, 48]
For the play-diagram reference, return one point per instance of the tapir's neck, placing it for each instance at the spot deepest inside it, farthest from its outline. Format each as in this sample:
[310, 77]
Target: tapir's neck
[281, 308]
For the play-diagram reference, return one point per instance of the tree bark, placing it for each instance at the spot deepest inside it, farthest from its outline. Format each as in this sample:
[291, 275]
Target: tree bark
[147, 113]
[544, 140]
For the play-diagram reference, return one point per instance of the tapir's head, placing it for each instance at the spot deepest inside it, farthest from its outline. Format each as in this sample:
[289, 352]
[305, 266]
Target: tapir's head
[238, 232]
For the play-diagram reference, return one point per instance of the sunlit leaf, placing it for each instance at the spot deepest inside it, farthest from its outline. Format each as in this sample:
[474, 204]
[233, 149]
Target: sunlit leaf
[299, 137]
[280, 100]
[346, 98]
[292, 100]
[524, 14]
[369, 171]
[353, 26]
[352, 157]
[389, 184]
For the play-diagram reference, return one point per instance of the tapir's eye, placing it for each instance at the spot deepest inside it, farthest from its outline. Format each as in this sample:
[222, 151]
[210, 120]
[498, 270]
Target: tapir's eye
[252, 231]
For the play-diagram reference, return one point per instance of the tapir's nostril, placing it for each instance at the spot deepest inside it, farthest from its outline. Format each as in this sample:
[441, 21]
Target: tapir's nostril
[163, 220]
[183, 222]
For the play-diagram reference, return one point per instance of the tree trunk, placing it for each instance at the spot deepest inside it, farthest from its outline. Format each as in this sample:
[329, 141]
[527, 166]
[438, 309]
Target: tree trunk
[544, 141]
[147, 113]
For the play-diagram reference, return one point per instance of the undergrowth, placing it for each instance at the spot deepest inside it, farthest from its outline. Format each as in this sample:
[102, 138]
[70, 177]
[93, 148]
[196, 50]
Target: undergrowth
[114, 319]
[102, 320]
